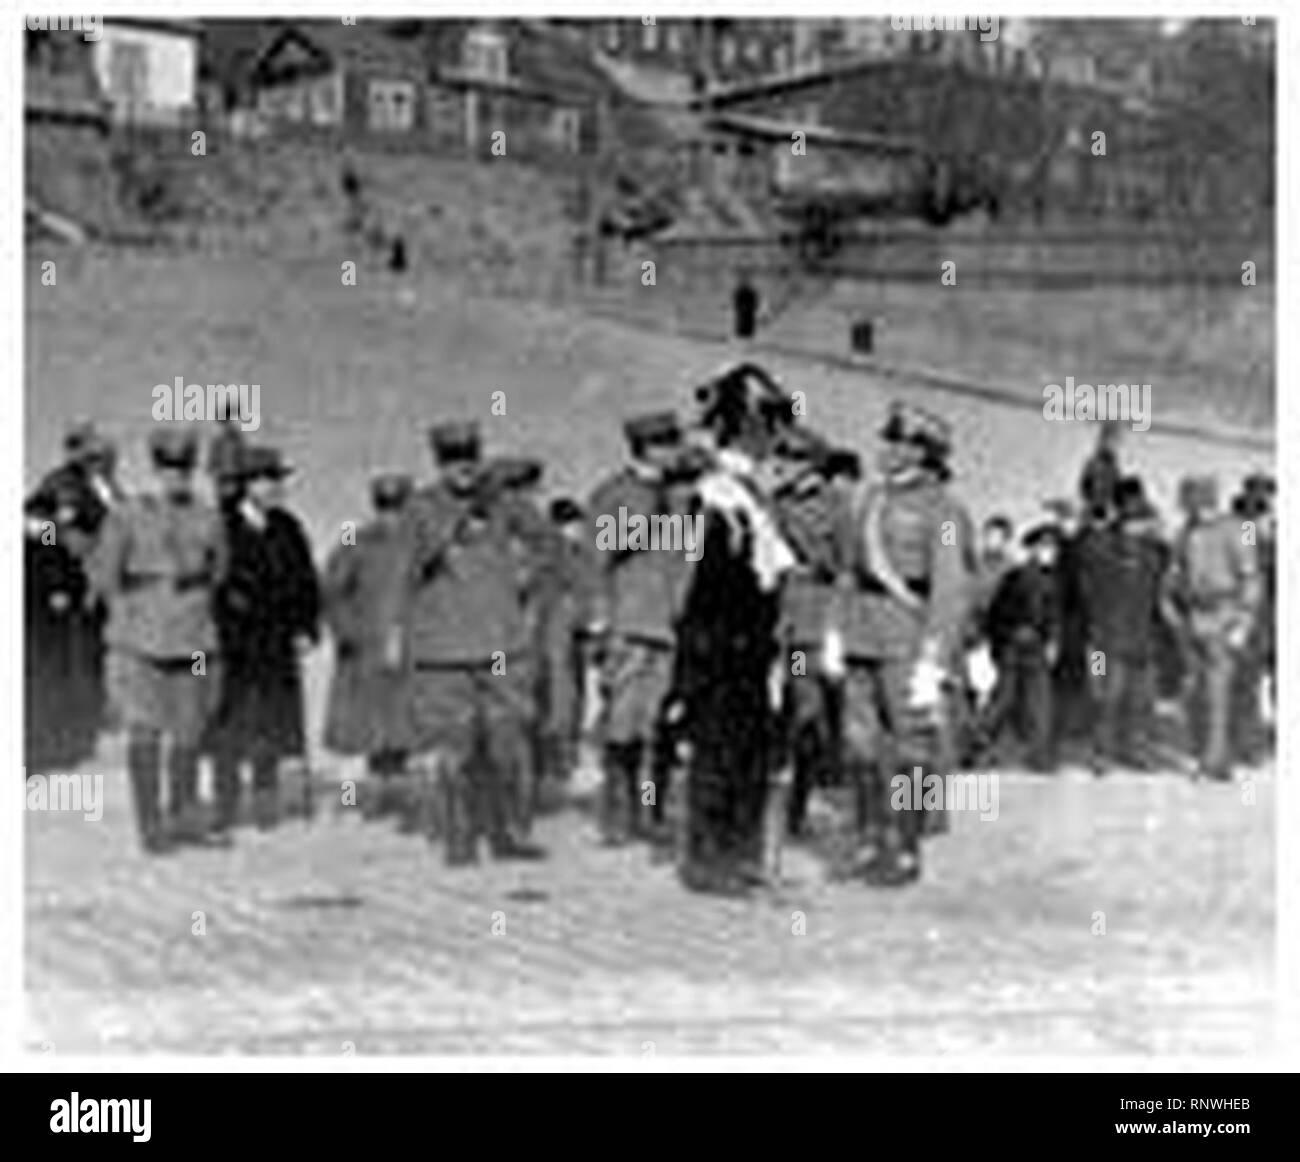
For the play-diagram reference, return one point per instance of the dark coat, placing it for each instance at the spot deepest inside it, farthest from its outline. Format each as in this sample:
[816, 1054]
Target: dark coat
[1025, 609]
[369, 709]
[727, 643]
[66, 703]
[62, 656]
[1120, 576]
[1099, 481]
[269, 598]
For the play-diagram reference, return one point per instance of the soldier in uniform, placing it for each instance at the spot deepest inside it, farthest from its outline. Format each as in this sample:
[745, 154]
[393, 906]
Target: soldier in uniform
[1215, 580]
[807, 504]
[157, 565]
[471, 561]
[362, 595]
[903, 574]
[518, 480]
[637, 599]
[1253, 685]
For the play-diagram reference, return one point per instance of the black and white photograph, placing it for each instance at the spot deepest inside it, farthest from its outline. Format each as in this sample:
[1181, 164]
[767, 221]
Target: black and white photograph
[624, 536]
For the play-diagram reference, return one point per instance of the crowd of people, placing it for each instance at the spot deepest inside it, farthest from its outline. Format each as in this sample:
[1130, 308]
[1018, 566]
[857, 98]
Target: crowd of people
[835, 627]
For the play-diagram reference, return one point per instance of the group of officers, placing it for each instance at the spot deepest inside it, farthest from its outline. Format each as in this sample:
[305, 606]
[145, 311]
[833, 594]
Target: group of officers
[822, 633]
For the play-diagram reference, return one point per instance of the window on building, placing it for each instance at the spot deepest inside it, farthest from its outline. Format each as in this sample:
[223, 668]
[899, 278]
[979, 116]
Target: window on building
[485, 55]
[324, 101]
[567, 127]
[650, 36]
[613, 36]
[392, 106]
[727, 51]
[128, 74]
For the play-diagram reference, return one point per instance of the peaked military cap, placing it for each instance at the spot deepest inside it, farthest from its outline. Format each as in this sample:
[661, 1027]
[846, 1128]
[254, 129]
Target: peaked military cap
[390, 489]
[1131, 500]
[843, 462]
[455, 440]
[1259, 484]
[83, 441]
[797, 443]
[653, 428]
[909, 424]
[515, 472]
[1062, 508]
[1198, 491]
[565, 510]
[173, 448]
[1046, 531]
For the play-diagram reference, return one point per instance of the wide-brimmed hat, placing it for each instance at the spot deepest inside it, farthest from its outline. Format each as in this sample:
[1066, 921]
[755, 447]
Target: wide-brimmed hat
[455, 440]
[173, 448]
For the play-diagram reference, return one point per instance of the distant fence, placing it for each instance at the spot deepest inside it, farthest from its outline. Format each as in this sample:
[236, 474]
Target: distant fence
[1062, 259]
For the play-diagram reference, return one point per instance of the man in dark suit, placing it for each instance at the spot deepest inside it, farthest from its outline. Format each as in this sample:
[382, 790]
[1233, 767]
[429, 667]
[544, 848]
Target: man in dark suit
[1024, 625]
[267, 614]
[1121, 569]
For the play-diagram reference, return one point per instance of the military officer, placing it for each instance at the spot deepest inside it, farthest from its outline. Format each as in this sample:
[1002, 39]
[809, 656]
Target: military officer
[807, 502]
[157, 564]
[1215, 578]
[471, 554]
[362, 590]
[1253, 686]
[636, 601]
[903, 575]
[517, 481]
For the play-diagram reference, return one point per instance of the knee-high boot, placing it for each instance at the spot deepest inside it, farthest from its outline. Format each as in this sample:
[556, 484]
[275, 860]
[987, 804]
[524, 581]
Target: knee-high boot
[143, 764]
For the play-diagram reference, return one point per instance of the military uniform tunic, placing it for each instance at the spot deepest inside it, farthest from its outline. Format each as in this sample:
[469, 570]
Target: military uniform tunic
[638, 595]
[1216, 577]
[368, 699]
[904, 579]
[156, 566]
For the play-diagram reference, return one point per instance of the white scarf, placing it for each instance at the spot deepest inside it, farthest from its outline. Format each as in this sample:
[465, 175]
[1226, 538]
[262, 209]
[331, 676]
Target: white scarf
[729, 491]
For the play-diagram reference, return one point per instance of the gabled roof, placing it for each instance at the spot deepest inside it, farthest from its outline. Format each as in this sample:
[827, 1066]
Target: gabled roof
[321, 46]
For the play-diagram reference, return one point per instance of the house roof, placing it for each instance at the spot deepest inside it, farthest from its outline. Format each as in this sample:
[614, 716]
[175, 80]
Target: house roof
[179, 27]
[325, 45]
